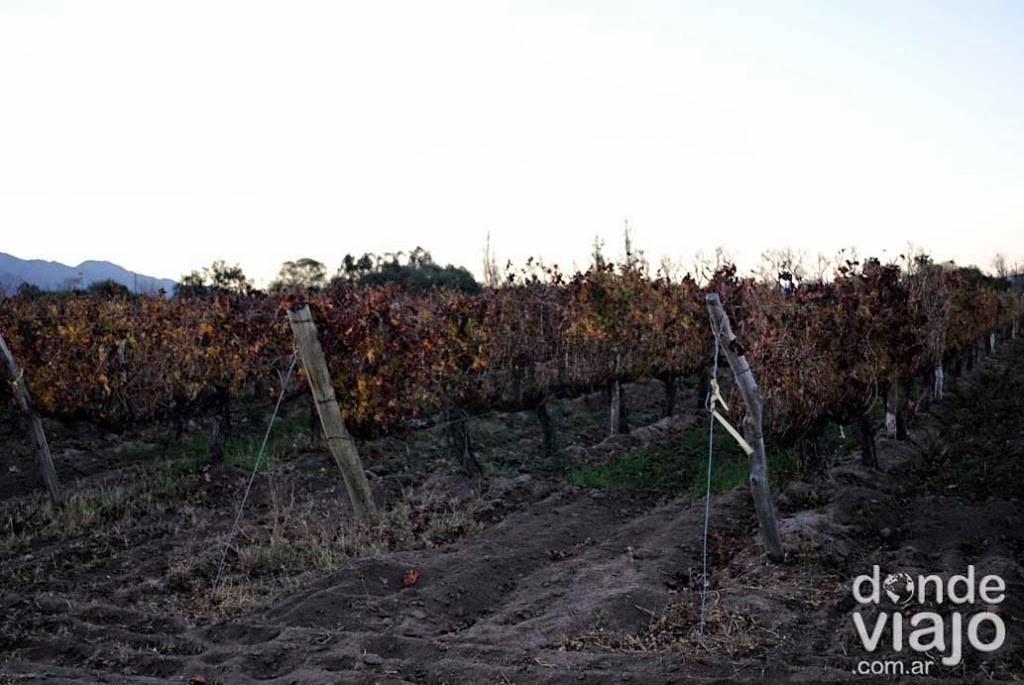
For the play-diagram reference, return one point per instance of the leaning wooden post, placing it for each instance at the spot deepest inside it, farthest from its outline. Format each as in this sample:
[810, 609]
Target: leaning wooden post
[35, 426]
[339, 440]
[751, 428]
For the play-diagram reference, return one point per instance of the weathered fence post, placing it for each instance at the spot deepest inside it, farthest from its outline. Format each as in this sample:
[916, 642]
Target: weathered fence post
[339, 440]
[35, 426]
[759, 487]
[892, 398]
[547, 426]
[940, 382]
[615, 423]
[671, 393]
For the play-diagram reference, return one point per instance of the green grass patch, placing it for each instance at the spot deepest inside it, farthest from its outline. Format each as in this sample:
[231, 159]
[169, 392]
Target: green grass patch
[643, 469]
[680, 467]
[244, 452]
[980, 455]
[842, 436]
[183, 457]
[492, 468]
[288, 437]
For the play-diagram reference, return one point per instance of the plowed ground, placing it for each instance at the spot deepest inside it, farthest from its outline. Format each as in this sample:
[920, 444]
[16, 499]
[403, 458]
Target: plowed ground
[522, 580]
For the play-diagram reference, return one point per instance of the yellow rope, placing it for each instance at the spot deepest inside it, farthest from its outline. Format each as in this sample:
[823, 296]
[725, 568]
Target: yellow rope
[716, 397]
[744, 445]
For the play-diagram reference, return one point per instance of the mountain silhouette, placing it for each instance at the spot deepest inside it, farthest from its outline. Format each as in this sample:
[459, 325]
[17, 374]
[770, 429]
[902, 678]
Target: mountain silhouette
[56, 276]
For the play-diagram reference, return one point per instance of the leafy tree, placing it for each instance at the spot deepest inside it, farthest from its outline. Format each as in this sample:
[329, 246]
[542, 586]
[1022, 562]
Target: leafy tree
[303, 274]
[219, 277]
[29, 290]
[191, 285]
[229, 278]
[108, 288]
[415, 273]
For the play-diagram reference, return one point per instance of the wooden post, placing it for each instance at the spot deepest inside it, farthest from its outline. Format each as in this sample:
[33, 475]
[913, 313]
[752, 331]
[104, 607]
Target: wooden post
[35, 426]
[671, 393]
[892, 397]
[547, 426]
[616, 409]
[904, 412]
[759, 487]
[339, 440]
[865, 432]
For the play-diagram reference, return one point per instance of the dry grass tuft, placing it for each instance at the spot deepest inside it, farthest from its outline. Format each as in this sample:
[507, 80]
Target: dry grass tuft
[99, 510]
[677, 629]
[305, 540]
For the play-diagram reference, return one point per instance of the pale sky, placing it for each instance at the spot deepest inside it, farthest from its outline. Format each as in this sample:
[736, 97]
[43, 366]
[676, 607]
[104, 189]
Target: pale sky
[163, 136]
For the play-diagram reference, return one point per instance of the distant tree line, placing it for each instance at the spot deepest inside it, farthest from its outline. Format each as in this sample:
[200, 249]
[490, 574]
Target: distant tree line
[415, 272]
[104, 289]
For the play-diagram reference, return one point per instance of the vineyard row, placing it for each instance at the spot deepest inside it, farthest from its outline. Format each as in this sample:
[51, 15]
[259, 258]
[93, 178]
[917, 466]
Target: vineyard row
[820, 350]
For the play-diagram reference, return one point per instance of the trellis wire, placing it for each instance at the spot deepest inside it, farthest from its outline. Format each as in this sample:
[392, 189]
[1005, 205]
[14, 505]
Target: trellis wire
[709, 403]
[255, 470]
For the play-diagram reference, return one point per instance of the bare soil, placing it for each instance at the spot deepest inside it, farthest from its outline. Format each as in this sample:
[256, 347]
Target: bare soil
[522, 579]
